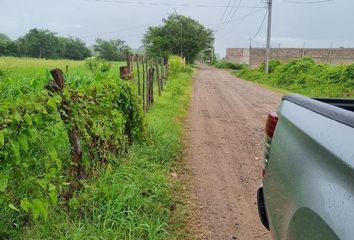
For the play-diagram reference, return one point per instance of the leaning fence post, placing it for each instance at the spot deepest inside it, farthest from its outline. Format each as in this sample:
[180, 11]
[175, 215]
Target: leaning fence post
[65, 114]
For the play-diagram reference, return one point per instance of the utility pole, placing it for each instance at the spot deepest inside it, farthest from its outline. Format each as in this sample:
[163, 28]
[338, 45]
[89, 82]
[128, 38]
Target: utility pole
[269, 31]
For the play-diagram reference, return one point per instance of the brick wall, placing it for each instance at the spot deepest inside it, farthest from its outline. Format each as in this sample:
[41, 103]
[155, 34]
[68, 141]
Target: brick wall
[239, 55]
[255, 56]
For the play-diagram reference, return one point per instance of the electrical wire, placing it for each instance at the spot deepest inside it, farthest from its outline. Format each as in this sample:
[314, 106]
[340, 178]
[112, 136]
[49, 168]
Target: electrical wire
[308, 2]
[121, 30]
[260, 27]
[222, 17]
[228, 14]
[233, 14]
[159, 3]
[240, 21]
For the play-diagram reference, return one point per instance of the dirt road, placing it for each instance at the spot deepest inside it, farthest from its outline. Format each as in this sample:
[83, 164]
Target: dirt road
[225, 136]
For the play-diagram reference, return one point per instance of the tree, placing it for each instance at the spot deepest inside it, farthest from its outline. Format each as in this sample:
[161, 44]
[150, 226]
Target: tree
[73, 48]
[4, 37]
[111, 50]
[40, 44]
[179, 35]
[7, 46]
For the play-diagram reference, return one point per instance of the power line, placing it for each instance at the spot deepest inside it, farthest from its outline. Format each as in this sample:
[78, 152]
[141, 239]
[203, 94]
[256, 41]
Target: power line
[222, 17]
[159, 3]
[241, 20]
[121, 30]
[308, 2]
[233, 14]
[228, 14]
[260, 27]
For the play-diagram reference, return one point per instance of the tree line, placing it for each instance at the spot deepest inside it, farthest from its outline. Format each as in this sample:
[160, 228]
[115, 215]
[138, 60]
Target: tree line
[43, 43]
[178, 35]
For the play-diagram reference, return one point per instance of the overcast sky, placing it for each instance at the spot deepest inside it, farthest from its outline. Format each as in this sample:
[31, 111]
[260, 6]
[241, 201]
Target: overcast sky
[294, 24]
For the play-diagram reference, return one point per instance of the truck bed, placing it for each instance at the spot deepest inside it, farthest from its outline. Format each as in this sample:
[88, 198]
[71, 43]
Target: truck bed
[340, 110]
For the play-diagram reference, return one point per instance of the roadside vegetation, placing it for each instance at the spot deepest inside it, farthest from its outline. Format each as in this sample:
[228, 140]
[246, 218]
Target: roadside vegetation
[304, 76]
[228, 65]
[85, 154]
[123, 189]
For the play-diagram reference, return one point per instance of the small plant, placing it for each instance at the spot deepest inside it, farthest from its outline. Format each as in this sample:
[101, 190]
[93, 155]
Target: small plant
[97, 65]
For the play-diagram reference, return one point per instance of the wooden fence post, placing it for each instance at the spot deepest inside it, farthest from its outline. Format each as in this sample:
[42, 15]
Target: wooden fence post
[128, 60]
[138, 73]
[148, 101]
[147, 83]
[73, 134]
[162, 74]
[158, 78]
[143, 81]
[131, 58]
[125, 73]
[152, 86]
[167, 74]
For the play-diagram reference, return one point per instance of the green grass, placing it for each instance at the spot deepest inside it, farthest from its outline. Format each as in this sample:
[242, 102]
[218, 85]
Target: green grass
[132, 198]
[305, 77]
[21, 76]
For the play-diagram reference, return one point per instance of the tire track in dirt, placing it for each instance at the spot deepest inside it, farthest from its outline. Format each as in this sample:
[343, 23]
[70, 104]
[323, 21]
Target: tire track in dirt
[225, 137]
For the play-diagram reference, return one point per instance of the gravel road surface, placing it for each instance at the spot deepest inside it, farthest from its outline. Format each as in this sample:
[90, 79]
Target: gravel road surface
[225, 154]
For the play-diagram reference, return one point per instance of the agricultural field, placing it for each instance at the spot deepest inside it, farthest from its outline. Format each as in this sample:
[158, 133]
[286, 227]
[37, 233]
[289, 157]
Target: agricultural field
[20, 76]
[305, 77]
[118, 184]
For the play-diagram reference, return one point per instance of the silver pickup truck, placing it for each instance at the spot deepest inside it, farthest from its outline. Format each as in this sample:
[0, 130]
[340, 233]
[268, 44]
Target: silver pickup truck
[308, 176]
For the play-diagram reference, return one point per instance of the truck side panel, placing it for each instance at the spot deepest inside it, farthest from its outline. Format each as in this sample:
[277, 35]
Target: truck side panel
[309, 180]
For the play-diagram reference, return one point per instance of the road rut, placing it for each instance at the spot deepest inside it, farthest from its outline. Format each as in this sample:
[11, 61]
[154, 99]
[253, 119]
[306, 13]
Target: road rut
[225, 154]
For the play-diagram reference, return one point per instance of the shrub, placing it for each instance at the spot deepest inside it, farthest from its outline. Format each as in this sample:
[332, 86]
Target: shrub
[228, 65]
[37, 171]
[295, 71]
[273, 64]
[348, 75]
[97, 65]
[176, 65]
[306, 77]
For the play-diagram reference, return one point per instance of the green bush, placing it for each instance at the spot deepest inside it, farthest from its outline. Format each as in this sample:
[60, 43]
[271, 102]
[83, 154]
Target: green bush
[97, 65]
[306, 77]
[228, 65]
[273, 64]
[348, 75]
[177, 65]
[37, 172]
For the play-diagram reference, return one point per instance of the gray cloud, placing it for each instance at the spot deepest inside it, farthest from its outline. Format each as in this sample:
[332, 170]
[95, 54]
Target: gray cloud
[293, 24]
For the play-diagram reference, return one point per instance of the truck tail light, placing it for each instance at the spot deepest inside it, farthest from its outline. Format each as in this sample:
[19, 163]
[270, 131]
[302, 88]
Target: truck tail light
[271, 124]
[269, 130]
